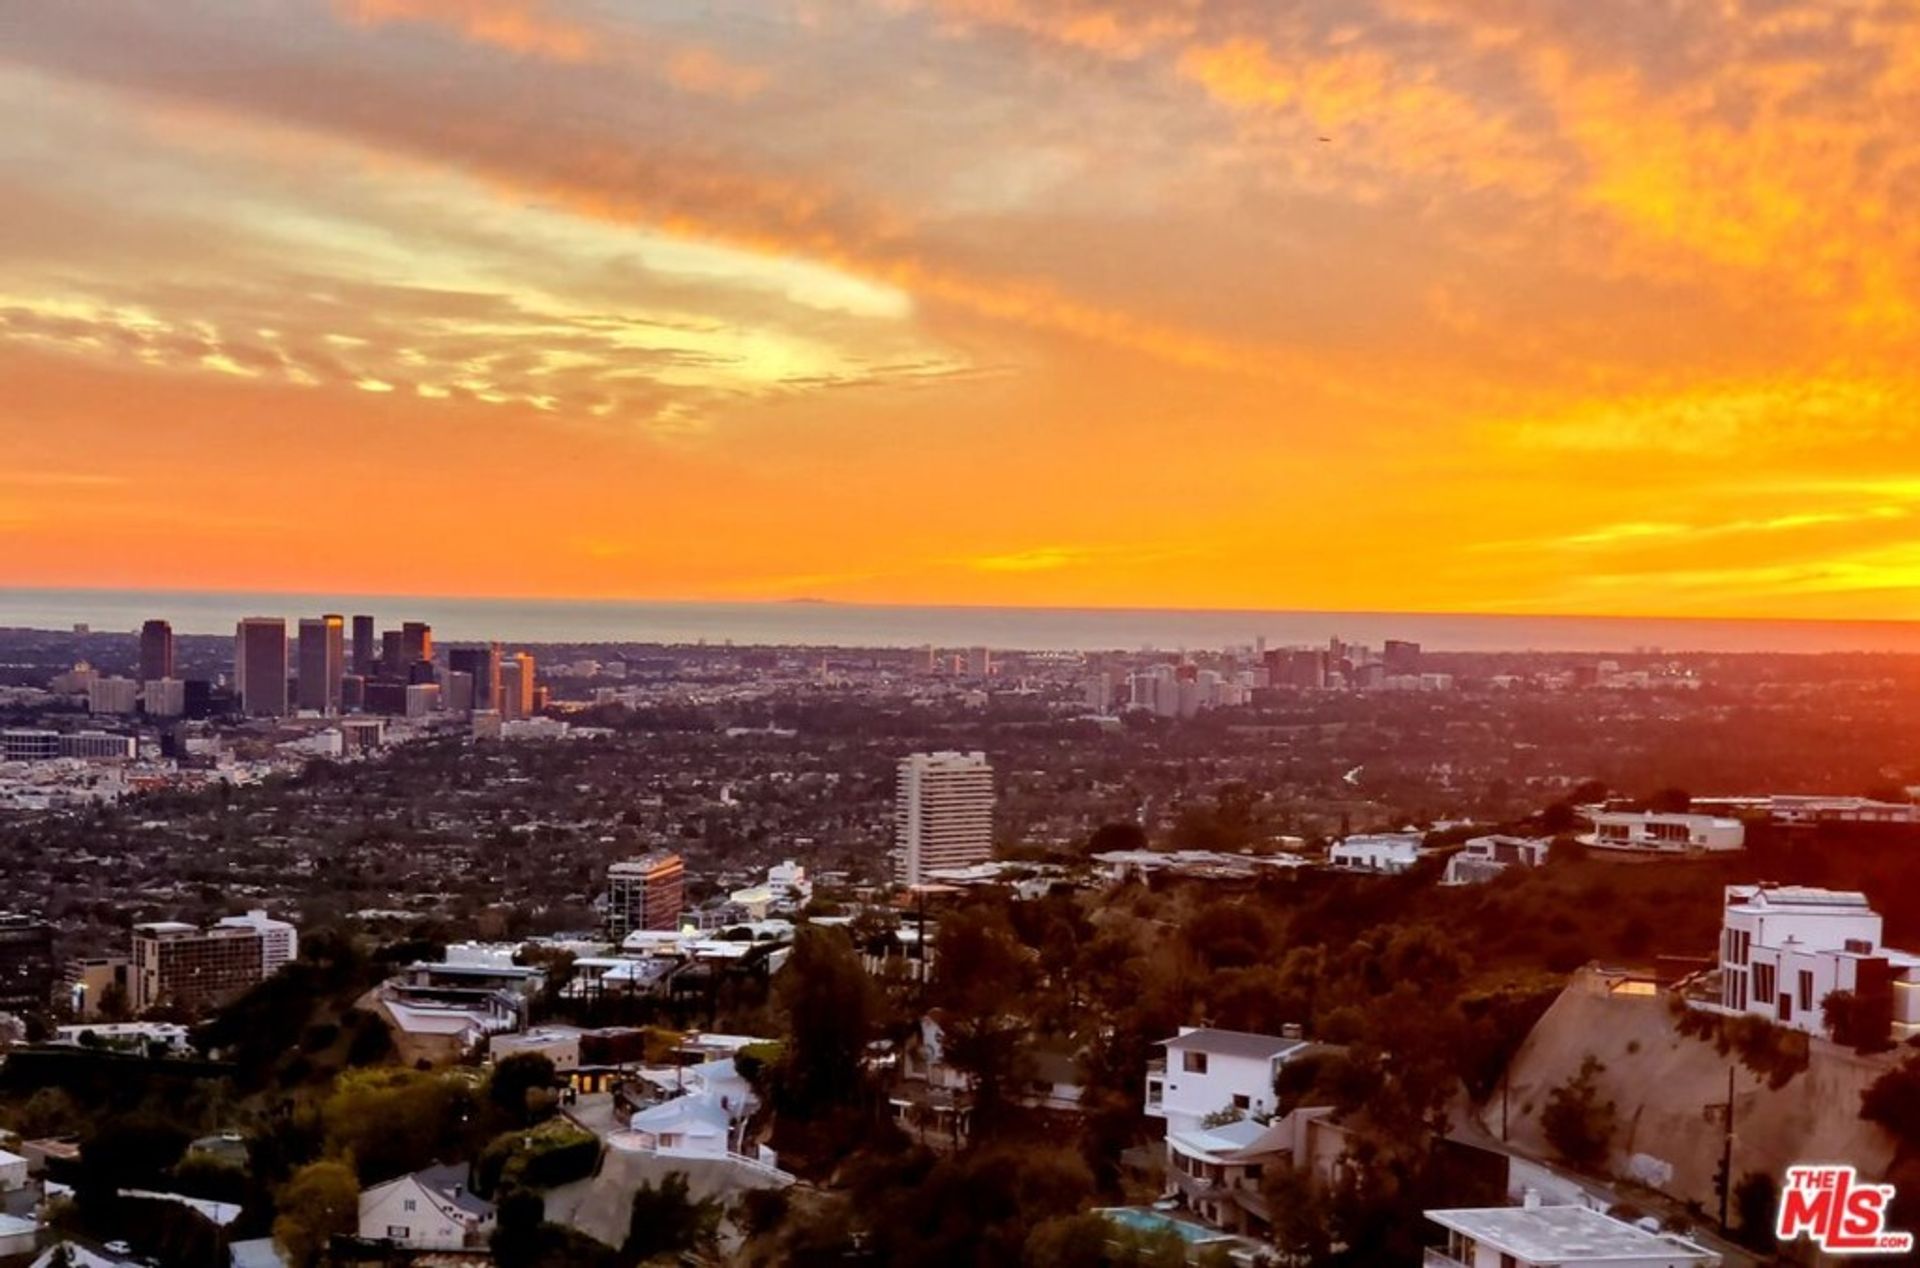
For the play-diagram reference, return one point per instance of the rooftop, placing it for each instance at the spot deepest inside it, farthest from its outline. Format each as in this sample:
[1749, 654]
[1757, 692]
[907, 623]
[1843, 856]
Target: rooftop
[1232, 1043]
[1557, 1234]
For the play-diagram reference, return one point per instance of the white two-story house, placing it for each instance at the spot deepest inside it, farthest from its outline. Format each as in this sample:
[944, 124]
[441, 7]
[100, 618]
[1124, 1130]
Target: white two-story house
[428, 1210]
[1785, 948]
[1209, 1071]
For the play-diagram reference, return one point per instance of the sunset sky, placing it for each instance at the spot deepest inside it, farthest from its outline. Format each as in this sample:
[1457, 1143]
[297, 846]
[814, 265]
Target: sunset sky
[1473, 305]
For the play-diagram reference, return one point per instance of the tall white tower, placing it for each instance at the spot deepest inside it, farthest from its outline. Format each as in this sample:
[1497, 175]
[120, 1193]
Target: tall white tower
[943, 813]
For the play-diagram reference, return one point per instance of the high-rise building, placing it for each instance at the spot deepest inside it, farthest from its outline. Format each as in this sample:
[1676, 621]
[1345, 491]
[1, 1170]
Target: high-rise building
[416, 641]
[645, 893]
[484, 664]
[26, 964]
[457, 692]
[179, 965]
[260, 666]
[392, 658]
[517, 685]
[156, 651]
[1400, 657]
[163, 697]
[323, 662]
[423, 698]
[384, 696]
[980, 662]
[366, 645]
[943, 813]
[279, 940]
[112, 695]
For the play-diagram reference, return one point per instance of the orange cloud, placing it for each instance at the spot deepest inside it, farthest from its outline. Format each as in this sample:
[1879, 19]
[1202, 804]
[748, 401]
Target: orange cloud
[516, 26]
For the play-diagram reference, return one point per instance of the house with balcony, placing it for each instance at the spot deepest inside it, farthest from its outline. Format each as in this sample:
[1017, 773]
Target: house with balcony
[1536, 1236]
[1651, 832]
[1785, 948]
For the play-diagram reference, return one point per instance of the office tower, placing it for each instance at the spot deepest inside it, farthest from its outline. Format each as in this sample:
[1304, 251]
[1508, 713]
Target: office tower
[392, 659]
[1099, 692]
[164, 698]
[260, 666]
[26, 964]
[926, 661]
[179, 965]
[483, 664]
[279, 941]
[89, 982]
[198, 693]
[644, 893]
[156, 651]
[366, 645]
[516, 687]
[422, 699]
[1400, 657]
[980, 662]
[457, 693]
[112, 695]
[323, 662]
[943, 813]
[416, 641]
[353, 693]
[384, 696]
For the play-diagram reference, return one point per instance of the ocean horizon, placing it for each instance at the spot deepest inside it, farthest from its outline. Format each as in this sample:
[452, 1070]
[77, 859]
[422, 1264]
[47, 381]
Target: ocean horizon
[822, 623]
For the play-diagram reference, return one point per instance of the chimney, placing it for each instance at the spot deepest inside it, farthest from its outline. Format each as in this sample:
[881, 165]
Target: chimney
[1530, 1198]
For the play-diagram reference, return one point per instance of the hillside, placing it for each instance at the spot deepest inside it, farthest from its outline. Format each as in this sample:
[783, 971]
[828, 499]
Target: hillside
[1662, 1082]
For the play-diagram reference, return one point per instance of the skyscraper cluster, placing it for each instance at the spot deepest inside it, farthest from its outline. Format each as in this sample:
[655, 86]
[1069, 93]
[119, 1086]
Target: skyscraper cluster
[391, 672]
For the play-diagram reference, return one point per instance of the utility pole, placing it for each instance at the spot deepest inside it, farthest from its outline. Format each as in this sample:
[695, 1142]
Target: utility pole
[1506, 1085]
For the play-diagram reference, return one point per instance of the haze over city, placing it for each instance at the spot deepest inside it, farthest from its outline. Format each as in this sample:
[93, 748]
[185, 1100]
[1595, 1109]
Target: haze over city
[1425, 305]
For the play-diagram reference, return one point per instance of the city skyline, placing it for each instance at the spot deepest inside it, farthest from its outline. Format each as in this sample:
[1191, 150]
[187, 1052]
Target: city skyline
[1397, 304]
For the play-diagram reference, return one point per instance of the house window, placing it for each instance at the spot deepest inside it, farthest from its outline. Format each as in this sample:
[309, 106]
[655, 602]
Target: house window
[1806, 990]
[407, 1206]
[1193, 1062]
[1242, 1101]
[1153, 1093]
[398, 1232]
[1763, 984]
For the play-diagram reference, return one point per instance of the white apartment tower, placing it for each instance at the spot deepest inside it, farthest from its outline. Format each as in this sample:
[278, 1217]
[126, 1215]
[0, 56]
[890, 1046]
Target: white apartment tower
[279, 940]
[943, 813]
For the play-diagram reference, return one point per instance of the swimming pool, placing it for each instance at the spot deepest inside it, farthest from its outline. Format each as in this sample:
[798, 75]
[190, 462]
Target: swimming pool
[1145, 1220]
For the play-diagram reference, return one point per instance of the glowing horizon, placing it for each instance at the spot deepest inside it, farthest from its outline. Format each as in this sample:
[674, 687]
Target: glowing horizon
[1445, 306]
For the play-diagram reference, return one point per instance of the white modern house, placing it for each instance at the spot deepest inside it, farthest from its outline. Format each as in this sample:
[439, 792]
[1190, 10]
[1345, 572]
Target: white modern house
[1785, 948]
[1484, 858]
[1387, 852]
[1210, 1072]
[428, 1210]
[1653, 832]
[1533, 1236]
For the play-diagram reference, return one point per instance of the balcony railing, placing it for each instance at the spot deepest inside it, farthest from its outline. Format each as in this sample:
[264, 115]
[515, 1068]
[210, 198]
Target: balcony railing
[1434, 1257]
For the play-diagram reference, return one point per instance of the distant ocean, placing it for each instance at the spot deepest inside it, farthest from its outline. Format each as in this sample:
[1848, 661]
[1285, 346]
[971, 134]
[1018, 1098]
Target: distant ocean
[874, 625]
